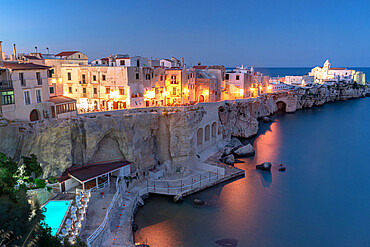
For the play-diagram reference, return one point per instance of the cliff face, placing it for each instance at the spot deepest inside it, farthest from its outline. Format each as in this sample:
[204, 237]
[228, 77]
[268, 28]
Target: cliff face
[149, 137]
[145, 139]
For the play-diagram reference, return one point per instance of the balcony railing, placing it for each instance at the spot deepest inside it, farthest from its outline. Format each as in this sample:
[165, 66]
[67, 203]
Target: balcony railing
[6, 85]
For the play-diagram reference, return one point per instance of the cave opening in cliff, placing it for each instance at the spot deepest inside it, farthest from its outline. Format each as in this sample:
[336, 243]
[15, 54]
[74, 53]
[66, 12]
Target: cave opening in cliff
[281, 106]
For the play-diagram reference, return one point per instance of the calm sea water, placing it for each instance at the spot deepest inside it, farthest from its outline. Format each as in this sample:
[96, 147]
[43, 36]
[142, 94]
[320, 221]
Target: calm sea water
[322, 199]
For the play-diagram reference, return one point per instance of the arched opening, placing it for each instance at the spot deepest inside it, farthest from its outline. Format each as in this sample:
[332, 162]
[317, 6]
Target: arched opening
[201, 98]
[214, 130]
[207, 133]
[200, 136]
[34, 115]
[281, 106]
[95, 105]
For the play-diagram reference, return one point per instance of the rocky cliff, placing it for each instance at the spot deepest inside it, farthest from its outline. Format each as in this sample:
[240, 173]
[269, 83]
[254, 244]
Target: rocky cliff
[152, 136]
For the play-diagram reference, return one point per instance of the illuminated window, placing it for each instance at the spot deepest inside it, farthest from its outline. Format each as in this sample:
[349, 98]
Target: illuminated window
[69, 76]
[107, 90]
[69, 89]
[95, 90]
[122, 91]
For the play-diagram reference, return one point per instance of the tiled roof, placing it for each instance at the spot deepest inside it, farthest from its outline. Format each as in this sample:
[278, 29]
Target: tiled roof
[61, 100]
[66, 53]
[337, 69]
[32, 57]
[200, 67]
[91, 171]
[24, 66]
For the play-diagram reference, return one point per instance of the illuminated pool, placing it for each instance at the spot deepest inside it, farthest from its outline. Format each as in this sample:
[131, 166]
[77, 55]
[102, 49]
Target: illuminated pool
[55, 212]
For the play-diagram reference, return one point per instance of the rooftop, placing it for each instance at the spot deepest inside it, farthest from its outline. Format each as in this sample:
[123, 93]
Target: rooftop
[24, 66]
[61, 99]
[93, 170]
[66, 53]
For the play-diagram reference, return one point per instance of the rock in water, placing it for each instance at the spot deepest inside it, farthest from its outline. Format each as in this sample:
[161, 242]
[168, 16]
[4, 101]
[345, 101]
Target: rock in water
[246, 150]
[178, 198]
[229, 160]
[266, 166]
[234, 143]
[227, 242]
[266, 120]
[198, 202]
[282, 169]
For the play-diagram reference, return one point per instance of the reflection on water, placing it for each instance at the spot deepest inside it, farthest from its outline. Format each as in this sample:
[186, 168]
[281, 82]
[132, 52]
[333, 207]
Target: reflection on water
[321, 200]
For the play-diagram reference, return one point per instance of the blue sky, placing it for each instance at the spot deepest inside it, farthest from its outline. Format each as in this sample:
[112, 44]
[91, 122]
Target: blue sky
[260, 33]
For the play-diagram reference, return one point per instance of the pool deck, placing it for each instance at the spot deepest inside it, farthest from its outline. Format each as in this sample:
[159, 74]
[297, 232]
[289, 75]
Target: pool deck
[97, 209]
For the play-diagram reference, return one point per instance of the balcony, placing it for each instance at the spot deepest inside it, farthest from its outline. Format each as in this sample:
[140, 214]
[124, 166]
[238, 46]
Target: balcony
[6, 85]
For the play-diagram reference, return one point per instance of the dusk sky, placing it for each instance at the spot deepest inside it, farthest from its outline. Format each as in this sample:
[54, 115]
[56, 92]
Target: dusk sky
[260, 33]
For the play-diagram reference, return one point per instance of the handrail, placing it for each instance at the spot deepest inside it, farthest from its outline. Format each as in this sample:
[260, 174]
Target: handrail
[98, 230]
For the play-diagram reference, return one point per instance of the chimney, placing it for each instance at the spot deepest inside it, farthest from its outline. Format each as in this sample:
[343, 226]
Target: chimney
[36, 49]
[199, 63]
[47, 49]
[1, 54]
[14, 52]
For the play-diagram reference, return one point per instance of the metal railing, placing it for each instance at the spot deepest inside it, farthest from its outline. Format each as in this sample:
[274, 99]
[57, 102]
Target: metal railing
[176, 187]
[6, 84]
[98, 230]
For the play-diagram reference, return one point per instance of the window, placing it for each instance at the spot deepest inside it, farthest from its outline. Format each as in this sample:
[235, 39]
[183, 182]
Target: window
[79, 56]
[122, 62]
[137, 76]
[38, 96]
[122, 91]
[21, 78]
[50, 73]
[27, 99]
[227, 77]
[161, 77]
[69, 89]
[38, 77]
[137, 63]
[84, 90]
[83, 78]
[237, 77]
[96, 62]
[103, 77]
[107, 90]
[69, 76]
[7, 97]
[51, 90]
[173, 91]
[147, 76]
[95, 90]
[94, 77]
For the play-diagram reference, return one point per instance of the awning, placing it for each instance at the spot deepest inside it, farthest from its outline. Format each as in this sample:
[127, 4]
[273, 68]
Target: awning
[91, 171]
[61, 100]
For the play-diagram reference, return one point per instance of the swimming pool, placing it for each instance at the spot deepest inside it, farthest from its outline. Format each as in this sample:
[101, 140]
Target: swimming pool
[55, 212]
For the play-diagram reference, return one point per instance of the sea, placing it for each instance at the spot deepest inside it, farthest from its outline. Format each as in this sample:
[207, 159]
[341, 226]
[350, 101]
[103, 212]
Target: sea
[322, 199]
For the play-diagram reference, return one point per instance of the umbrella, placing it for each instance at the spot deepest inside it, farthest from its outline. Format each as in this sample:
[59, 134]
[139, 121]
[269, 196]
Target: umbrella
[79, 205]
[73, 209]
[78, 198]
[68, 223]
[64, 232]
[74, 218]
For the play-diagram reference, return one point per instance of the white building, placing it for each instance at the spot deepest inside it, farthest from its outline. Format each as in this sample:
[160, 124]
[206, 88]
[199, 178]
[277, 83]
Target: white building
[122, 60]
[300, 80]
[329, 75]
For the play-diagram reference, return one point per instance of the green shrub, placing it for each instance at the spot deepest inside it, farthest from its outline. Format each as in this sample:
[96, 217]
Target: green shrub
[40, 183]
